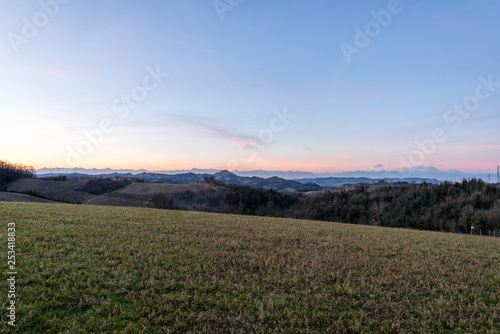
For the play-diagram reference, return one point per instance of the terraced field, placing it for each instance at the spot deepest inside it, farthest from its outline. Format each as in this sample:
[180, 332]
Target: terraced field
[93, 269]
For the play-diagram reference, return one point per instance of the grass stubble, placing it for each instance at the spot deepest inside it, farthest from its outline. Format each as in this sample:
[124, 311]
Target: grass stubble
[85, 269]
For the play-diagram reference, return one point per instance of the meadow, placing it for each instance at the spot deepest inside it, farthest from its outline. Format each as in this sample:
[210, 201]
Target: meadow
[95, 269]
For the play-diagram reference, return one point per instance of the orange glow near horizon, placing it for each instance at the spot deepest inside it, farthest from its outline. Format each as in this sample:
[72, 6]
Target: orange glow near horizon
[317, 168]
[155, 162]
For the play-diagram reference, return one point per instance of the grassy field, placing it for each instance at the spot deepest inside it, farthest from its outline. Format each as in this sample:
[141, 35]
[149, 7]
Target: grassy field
[84, 269]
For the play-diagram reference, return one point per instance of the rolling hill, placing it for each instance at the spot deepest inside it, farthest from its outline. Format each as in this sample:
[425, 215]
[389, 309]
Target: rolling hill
[60, 191]
[13, 197]
[274, 182]
[70, 191]
[141, 195]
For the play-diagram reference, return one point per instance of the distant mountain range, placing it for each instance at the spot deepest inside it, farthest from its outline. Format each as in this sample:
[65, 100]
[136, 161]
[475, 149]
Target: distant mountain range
[418, 172]
[274, 182]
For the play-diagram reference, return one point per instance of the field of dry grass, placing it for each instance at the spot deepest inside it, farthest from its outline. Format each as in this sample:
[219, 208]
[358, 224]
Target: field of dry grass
[54, 190]
[89, 269]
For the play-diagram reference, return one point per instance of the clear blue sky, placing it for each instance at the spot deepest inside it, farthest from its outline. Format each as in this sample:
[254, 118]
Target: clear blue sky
[67, 68]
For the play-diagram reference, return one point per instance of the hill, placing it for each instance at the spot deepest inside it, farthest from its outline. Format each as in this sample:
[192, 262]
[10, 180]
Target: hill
[274, 182]
[446, 207]
[10, 172]
[109, 269]
[196, 196]
[240, 178]
[70, 191]
[13, 197]
[215, 196]
[60, 191]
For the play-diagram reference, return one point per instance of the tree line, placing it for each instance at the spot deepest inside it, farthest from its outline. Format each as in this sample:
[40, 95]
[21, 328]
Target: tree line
[10, 172]
[448, 207]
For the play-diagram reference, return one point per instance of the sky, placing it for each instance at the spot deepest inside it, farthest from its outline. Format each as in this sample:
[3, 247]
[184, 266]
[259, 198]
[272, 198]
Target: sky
[320, 86]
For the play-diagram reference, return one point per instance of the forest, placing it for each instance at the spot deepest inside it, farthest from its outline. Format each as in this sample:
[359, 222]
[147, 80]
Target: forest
[450, 207]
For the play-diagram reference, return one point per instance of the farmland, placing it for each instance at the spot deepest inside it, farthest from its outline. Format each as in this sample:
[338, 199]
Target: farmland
[13, 197]
[112, 269]
[53, 190]
[141, 194]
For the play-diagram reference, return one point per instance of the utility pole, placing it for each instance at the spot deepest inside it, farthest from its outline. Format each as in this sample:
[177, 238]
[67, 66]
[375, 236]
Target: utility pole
[498, 179]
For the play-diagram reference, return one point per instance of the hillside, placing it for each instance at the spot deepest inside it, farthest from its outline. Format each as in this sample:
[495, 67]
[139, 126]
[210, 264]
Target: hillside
[10, 172]
[110, 269]
[71, 191]
[13, 197]
[142, 194]
[60, 191]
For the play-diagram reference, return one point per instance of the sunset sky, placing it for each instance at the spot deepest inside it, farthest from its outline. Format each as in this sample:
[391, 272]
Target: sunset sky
[321, 86]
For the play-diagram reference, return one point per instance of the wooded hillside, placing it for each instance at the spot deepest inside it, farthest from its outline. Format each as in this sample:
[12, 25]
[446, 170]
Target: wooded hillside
[10, 172]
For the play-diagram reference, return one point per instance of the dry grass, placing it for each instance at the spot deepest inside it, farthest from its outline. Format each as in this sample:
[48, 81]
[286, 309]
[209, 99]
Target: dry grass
[108, 269]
